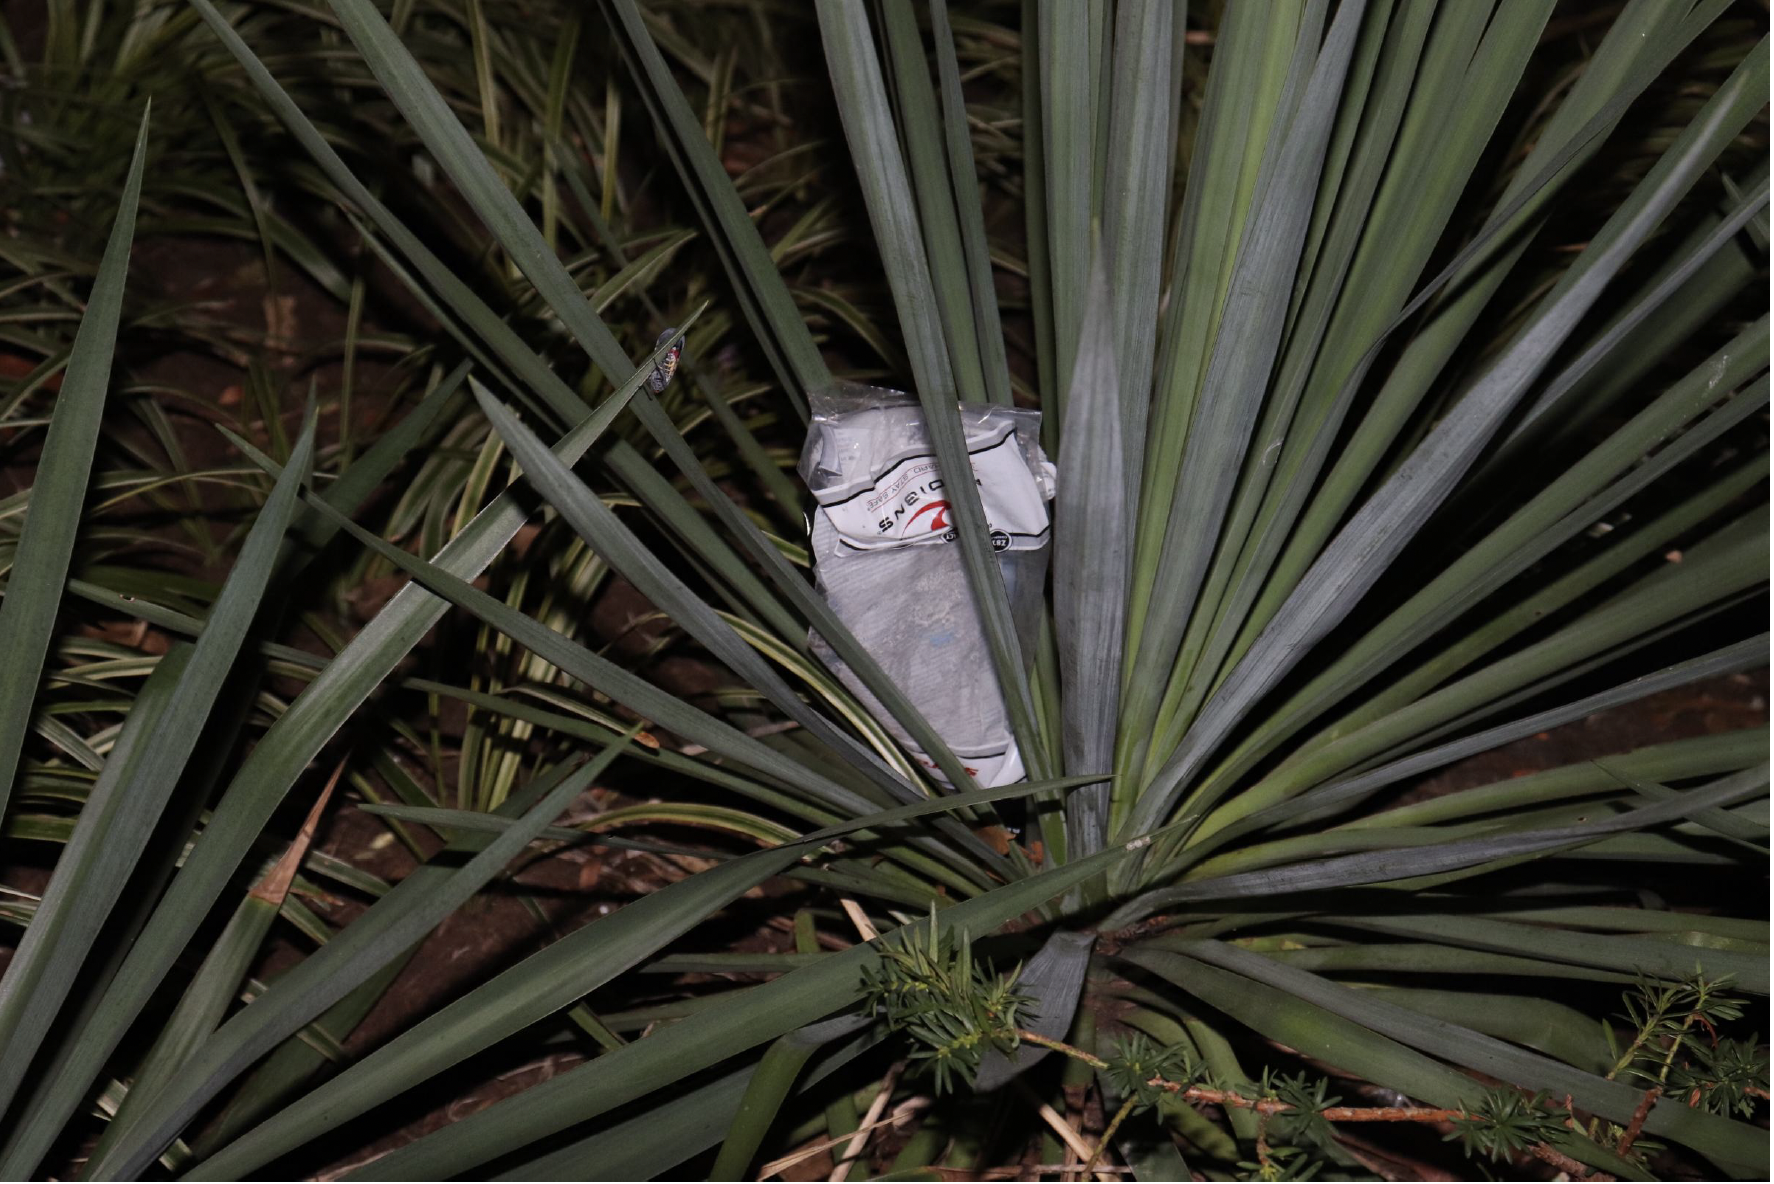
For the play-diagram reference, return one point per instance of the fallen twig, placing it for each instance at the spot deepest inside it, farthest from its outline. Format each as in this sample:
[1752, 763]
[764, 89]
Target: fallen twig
[859, 919]
[901, 1113]
[860, 1139]
[1060, 1127]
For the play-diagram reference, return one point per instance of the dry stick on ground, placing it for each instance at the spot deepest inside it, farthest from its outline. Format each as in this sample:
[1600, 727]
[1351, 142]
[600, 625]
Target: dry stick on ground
[1073, 1115]
[1060, 1126]
[275, 885]
[859, 919]
[901, 1113]
[1102, 1144]
[869, 1121]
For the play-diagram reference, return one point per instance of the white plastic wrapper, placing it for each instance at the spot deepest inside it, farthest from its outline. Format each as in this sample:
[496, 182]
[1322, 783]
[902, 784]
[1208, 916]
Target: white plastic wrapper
[886, 560]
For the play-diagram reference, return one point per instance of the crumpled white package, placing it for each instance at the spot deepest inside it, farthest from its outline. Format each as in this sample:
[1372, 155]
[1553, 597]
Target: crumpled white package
[886, 559]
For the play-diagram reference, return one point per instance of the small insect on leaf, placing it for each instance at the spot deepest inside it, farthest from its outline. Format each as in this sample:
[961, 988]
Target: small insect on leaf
[666, 366]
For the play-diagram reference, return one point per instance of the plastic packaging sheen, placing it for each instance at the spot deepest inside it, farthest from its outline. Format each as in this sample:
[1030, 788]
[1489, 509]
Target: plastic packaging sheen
[884, 558]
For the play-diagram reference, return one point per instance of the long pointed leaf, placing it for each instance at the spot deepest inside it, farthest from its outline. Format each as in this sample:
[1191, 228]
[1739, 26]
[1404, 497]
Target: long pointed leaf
[1735, 1145]
[673, 1053]
[121, 814]
[272, 767]
[46, 541]
[1091, 554]
[390, 926]
[763, 295]
[541, 985]
[1365, 547]
[856, 74]
[1239, 369]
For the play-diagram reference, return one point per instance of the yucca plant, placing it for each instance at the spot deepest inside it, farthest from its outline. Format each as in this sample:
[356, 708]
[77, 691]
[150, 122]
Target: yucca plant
[1390, 428]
